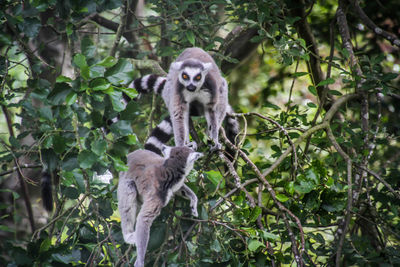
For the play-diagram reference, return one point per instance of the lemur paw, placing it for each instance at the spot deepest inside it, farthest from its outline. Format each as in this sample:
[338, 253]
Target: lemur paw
[194, 212]
[192, 145]
[215, 147]
[130, 238]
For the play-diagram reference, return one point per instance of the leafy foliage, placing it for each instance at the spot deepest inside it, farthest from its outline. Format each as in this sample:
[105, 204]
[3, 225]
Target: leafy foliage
[317, 160]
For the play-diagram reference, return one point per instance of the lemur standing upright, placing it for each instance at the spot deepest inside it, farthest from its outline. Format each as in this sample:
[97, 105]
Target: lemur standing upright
[152, 180]
[194, 86]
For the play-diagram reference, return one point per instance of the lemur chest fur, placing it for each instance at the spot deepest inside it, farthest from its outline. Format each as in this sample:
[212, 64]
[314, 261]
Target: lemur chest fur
[197, 101]
[173, 190]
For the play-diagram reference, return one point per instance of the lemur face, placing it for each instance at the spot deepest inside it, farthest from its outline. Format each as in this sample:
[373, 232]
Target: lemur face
[192, 74]
[192, 78]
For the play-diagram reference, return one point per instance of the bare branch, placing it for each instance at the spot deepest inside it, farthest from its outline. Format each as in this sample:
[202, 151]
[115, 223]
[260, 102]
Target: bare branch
[342, 229]
[113, 26]
[393, 39]
[121, 28]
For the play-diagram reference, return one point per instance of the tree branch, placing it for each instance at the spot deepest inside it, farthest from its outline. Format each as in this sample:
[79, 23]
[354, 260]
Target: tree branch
[394, 40]
[238, 46]
[113, 26]
[121, 27]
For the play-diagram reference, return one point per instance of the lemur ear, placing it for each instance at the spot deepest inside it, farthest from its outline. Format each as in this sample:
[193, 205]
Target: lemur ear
[207, 66]
[165, 150]
[176, 65]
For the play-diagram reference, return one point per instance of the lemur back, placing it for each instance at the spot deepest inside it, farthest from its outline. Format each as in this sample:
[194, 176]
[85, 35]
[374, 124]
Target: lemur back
[194, 86]
[152, 180]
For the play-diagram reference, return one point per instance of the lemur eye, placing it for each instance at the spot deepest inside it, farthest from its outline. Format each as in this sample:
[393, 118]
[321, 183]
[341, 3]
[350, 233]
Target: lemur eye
[198, 77]
[184, 76]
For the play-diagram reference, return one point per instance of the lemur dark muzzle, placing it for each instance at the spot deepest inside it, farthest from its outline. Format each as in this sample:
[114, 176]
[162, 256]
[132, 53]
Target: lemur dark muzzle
[191, 88]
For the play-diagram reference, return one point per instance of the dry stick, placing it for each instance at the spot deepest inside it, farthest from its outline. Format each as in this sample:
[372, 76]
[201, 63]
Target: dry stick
[121, 28]
[370, 24]
[342, 232]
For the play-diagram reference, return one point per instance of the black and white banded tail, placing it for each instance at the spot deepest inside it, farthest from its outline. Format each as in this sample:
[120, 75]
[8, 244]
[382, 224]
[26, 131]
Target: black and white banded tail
[160, 136]
[164, 132]
[148, 83]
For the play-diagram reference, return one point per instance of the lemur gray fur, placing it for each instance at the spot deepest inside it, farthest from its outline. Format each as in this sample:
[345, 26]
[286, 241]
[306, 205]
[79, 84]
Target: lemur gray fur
[194, 86]
[152, 180]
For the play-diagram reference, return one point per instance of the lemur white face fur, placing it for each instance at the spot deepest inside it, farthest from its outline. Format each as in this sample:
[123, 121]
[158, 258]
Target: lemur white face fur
[192, 76]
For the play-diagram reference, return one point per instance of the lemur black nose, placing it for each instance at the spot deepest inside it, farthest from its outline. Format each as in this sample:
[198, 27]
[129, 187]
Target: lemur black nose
[191, 87]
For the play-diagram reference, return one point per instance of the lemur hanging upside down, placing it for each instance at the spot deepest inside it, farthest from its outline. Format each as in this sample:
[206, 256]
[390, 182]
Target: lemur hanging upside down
[152, 180]
[194, 86]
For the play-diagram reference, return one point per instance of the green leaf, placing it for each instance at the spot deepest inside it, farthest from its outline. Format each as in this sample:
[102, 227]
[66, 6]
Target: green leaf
[58, 95]
[131, 92]
[107, 62]
[59, 144]
[71, 192]
[72, 257]
[119, 165]
[62, 79]
[87, 47]
[282, 198]
[299, 74]
[191, 38]
[254, 245]
[270, 237]
[256, 211]
[80, 61]
[96, 71]
[99, 84]
[335, 92]
[312, 90]
[270, 105]
[306, 183]
[105, 208]
[30, 27]
[86, 159]
[215, 177]
[71, 98]
[99, 147]
[389, 76]
[131, 139]
[46, 113]
[120, 73]
[117, 100]
[121, 127]
[311, 105]
[326, 82]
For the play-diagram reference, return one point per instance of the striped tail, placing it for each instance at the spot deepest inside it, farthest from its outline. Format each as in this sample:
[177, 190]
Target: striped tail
[148, 83]
[160, 136]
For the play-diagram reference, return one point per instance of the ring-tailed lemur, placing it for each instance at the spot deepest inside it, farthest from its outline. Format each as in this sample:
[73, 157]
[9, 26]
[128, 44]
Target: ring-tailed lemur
[194, 86]
[152, 180]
